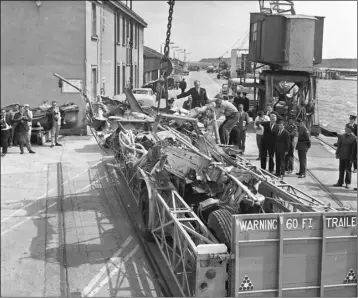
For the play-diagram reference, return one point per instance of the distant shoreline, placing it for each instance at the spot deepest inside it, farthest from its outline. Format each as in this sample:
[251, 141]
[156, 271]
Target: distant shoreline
[344, 63]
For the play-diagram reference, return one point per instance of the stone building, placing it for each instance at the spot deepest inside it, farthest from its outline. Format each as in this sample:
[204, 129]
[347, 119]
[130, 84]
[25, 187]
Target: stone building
[95, 44]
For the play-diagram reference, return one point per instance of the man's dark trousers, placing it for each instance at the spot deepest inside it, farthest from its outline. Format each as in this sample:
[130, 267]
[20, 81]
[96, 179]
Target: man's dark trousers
[182, 90]
[280, 163]
[267, 147]
[226, 127]
[242, 139]
[345, 167]
[289, 158]
[5, 136]
[302, 157]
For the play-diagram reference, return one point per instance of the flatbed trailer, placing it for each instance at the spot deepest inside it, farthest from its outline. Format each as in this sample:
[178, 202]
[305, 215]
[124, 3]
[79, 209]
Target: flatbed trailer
[308, 254]
[285, 253]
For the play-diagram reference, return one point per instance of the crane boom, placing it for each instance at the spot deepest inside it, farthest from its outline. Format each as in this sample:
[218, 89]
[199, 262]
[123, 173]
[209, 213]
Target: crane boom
[277, 7]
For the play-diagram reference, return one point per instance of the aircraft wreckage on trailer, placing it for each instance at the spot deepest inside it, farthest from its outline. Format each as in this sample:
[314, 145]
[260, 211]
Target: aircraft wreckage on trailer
[224, 226]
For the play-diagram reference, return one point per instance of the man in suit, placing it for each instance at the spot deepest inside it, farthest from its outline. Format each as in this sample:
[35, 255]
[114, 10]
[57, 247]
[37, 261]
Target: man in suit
[5, 131]
[344, 153]
[282, 143]
[199, 95]
[21, 130]
[54, 117]
[268, 141]
[238, 133]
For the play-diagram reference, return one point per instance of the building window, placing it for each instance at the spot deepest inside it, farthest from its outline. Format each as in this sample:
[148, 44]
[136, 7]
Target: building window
[94, 81]
[136, 76]
[118, 36]
[254, 32]
[123, 30]
[127, 31]
[135, 36]
[94, 20]
[118, 83]
[123, 78]
[138, 36]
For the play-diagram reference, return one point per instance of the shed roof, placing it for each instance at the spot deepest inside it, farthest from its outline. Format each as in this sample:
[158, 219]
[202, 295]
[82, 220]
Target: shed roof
[298, 16]
[150, 53]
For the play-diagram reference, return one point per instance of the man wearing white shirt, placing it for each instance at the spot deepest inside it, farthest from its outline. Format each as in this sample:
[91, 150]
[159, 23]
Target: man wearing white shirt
[231, 114]
[261, 117]
[55, 117]
[29, 116]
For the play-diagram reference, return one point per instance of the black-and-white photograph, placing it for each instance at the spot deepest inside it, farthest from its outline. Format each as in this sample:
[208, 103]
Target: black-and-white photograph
[179, 149]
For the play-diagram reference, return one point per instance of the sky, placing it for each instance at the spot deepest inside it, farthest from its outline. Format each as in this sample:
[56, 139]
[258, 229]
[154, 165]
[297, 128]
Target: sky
[209, 29]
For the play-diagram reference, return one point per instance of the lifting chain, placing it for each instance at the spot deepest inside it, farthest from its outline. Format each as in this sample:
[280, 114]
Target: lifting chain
[169, 27]
[165, 58]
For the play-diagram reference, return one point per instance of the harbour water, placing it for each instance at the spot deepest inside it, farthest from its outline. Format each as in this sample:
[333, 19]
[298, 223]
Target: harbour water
[336, 100]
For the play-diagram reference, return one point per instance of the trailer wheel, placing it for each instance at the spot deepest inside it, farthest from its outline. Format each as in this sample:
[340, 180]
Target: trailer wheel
[144, 210]
[219, 222]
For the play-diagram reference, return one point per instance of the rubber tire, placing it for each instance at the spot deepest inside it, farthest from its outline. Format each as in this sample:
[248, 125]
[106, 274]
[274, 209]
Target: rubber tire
[219, 222]
[144, 209]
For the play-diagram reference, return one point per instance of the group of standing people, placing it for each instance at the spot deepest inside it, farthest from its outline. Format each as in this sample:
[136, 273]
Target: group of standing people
[16, 127]
[278, 142]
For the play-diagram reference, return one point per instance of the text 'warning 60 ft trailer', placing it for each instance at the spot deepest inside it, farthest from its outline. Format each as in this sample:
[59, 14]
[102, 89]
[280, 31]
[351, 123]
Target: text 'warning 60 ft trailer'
[295, 254]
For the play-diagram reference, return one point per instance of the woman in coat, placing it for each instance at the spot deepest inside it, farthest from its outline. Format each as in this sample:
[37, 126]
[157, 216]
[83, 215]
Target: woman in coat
[303, 144]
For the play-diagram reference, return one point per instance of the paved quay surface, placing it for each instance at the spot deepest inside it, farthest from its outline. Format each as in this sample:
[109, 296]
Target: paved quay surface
[63, 232]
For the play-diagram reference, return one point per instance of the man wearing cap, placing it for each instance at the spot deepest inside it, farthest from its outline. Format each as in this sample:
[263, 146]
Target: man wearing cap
[282, 143]
[29, 116]
[344, 153]
[199, 95]
[352, 120]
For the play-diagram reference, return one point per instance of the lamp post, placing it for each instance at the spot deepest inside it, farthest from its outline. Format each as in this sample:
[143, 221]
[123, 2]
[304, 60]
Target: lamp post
[175, 49]
[186, 61]
[163, 44]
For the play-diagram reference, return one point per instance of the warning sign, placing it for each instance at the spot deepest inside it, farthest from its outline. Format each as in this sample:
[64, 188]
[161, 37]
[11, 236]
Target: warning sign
[351, 277]
[246, 284]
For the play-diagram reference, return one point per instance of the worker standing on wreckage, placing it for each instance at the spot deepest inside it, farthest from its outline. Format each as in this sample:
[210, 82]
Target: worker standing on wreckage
[230, 112]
